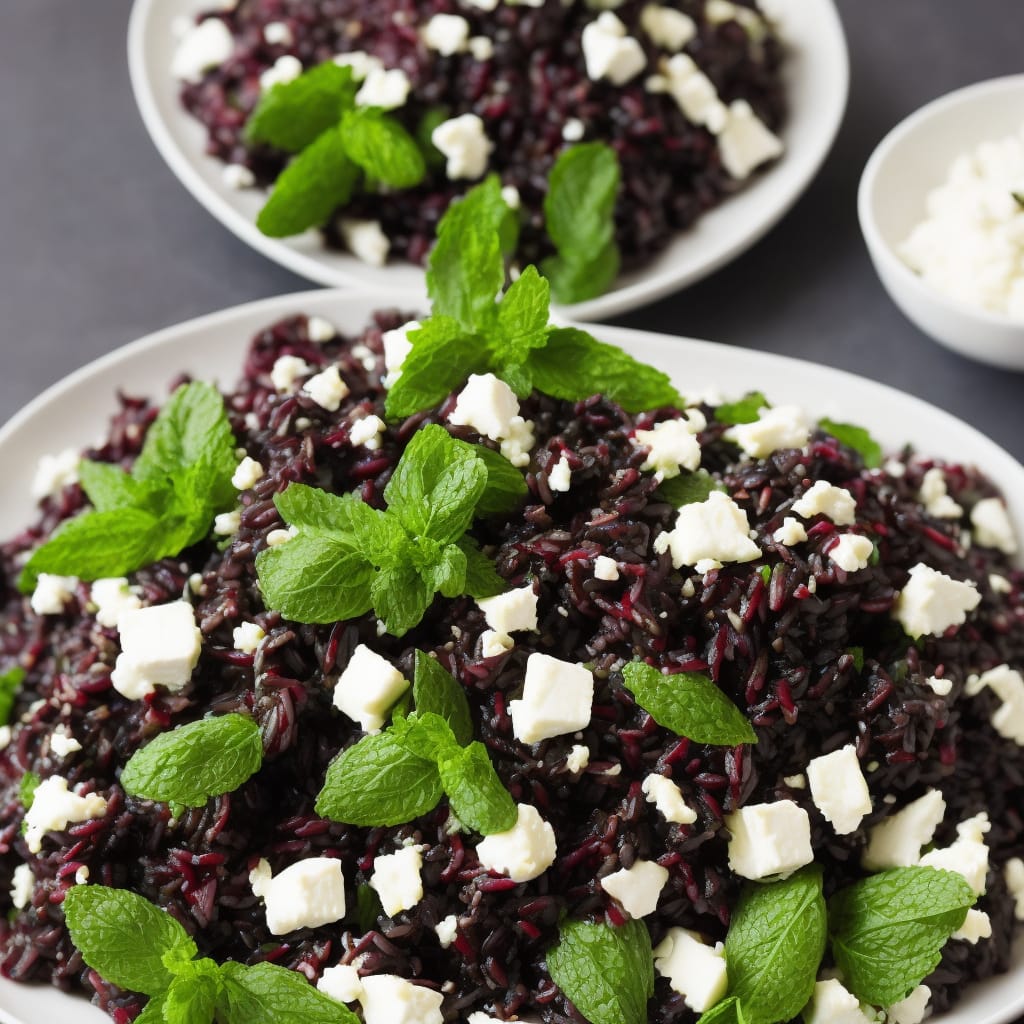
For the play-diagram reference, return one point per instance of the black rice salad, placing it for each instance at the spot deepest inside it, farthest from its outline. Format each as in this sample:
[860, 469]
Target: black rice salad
[688, 95]
[865, 622]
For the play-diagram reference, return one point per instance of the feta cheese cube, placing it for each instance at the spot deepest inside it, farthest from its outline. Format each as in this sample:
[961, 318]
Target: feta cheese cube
[708, 533]
[277, 33]
[23, 884]
[992, 526]
[62, 743]
[516, 447]
[366, 240]
[1014, 874]
[447, 930]
[1008, 686]
[327, 389]
[388, 999]
[609, 52]
[368, 688]
[286, 371]
[247, 473]
[387, 89]
[823, 498]
[637, 888]
[943, 687]
[54, 807]
[769, 839]
[366, 431]
[494, 645]
[512, 611]
[671, 446]
[396, 347]
[833, 1004]
[667, 797]
[202, 47]
[851, 552]
[524, 852]
[693, 91]
[746, 142]
[396, 879]
[668, 28]
[54, 473]
[52, 593]
[935, 497]
[839, 789]
[237, 177]
[448, 34]
[464, 142]
[227, 523]
[560, 475]
[977, 926]
[481, 48]
[784, 426]
[910, 1010]
[606, 568]
[487, 405]
[160, 646]
[791, 532]
[577, 759]
[342, 983]
[897, 841]
[112, 598]
[320, 330]
[308, 894]
[247, 637]
[558, 698]
[284, 70]
[931, 602]
[694, 969]
[968, 856]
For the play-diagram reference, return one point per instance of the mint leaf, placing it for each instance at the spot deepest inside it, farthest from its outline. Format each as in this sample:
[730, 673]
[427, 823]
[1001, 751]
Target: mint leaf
[193, 994]
[124, 938]
[30, 782]
[856, 438]
[579, 213]
[401, 598]
[746, 410]
[482, 579]
[379, 145]
[425, 131]
[506, 487]
[153, 1012]
[292, 115]
[607, 973]
[774, 945]
[368, 908]
[435, 690]
[426, 735]
[574, 365]
[109, 488]
[10, 681]
[688, 487]
[265, 994]
[379, 782]
[688, 703]
[476, 793]
[522, 322]
[888, 930]
[192, 763]
[728, 1011]
[316, 183]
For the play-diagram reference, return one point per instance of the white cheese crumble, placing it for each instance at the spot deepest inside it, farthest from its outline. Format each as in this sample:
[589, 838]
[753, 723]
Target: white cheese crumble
[308, 894]
[366, 240]
[992, 526]
[54, 473]
[486, 404]
[851, 552]
[931, 602]
[606, 568]
[516, 447]
[831, 1003]
[746, 142]
[286, 371]
[560, 475]
[525, 851]
[910, 1010]
[897, 841]
[342, 983]
[360, 62]
[783, 426]
[284, 70]
[227, 523]
[573, 130]
[942, 687]
[52, 593]
[23, 883]
[388, 999]
[366, 431]
[512, 611]
[672, 446]
[1014, 874]
[694, 969]
[319, 330]
[160, 646]
[481, 48]
[823, 498]
[396, 879]
[54, 807]
[277, 537]
[667, 797]
[202, 47]
[977, 926]
[709, 533]
[247, 473]
[494, 644]
[368, 688]
[791, 532]
[839, 789]
[327, 389]
[578, 758]
[384, 88]
[558, 698]
[247, 637]
[693, 92]
[769, 839]
[668, 28]
[278, 33]
[1008, 686]
[934, 495]
[447, 930]
[396, 347]
[63, 743]
[464, 143]
[609, 52]
[968, 855]
[637, 888]
[448, 34]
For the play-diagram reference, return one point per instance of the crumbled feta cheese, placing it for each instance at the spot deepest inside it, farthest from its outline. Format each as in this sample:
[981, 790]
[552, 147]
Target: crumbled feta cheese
[823, 498]
[227, 523]
[1008, 685]
[578, 758]
[668, 28]
[308, 894]
[82, 875]
[247, 637]
[708, 533]
[342, 983]
[396, 347]
[935, 497]
[516, 447]
[247, 473]
[447, 930]
[327, 389]
[368, 688]
[494, 644]
[388, 999]
[784, 426]
[931, 602]
[387, 89]
[897, 841]
[54, 473]
[448, 34]
[746, 142]
[992, 526]
[558, 698]
[52, 593]
[671, 446]
[694, 969]
[396, 879]
[54, 807]
[790, 532]
[277, 33]
[769, 839]
[1000, 584]
[525, 851]
[968, 856]
[798, 781]
[360, 62]
[5, 736]
[319, 330]
[609, 52]
[851, 552]
[693, 91]
[276, 537]
[512, 611]
[463, 141]
[160, 646]
[202, 47]
[839, 789]
[510, 194]
[977, 925]
[481, 48]
[63, 743]
[1014, 874]
[573, 130]
[366, 240]
[833, 1004]
[284, 70]
[637, 888]
[286, 371]
[606, 568]
[23, 884]
[560, 475]
[910, 1010]
[667, 797]
[486, 404]
[366, 431]
[940, 686]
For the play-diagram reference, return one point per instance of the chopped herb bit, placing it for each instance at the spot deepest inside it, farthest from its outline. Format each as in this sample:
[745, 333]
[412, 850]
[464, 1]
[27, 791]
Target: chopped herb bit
[746, 410]
[856, 438]
[30, 782]
[688, 487]
[9, 683]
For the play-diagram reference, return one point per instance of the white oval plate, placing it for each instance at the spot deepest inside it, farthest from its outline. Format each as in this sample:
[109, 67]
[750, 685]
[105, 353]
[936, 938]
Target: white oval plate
[75, 412]
[817, 79]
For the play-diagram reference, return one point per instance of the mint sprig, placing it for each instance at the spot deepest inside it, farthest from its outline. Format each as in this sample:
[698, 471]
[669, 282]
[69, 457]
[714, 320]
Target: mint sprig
[688, 487]
[437, 691]
[10, 681]
[194, 762]
[30, 782]
[382, 148]
[606, 973]
[688, 703]
[349, 557]
[857, 438]
[180, 481]
[744, 410]
[728, 1011]
[267, 994]
[579, 213]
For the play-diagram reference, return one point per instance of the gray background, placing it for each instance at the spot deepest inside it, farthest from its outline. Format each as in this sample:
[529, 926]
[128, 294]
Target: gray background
[99, 244]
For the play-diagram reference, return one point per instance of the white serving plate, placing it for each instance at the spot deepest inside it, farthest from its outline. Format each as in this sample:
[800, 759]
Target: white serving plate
[817, 79]
[74, 412]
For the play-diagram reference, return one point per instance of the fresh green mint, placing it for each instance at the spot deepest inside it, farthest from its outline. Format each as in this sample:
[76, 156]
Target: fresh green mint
[746, 410]
[349, 557]
[579, 213]
[180, 481]
[477, 795]
[9, 683]
[729, 1011]
[267, 994]
[688, 703]
[382, 148]
[606, 973]
[368, 908]
[435, 690]
[888, 930]
[192, 763]
[687, 488]
[856, 438]
[30, 782]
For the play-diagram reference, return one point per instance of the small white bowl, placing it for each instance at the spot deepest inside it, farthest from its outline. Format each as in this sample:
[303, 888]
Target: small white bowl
[909, 162]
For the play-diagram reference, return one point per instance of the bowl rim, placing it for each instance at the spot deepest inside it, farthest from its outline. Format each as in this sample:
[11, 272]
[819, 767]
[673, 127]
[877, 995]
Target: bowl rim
[867, 189]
